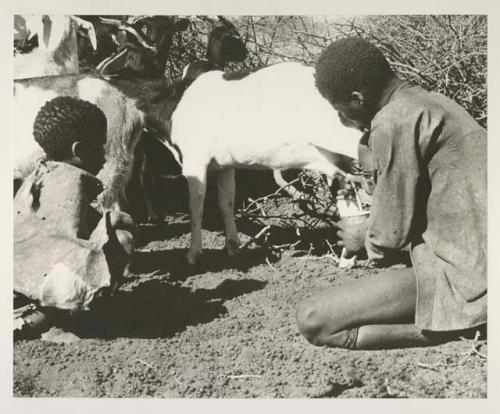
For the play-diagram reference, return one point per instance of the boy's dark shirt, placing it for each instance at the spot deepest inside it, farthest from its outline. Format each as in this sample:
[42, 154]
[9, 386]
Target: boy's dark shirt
[430, 156]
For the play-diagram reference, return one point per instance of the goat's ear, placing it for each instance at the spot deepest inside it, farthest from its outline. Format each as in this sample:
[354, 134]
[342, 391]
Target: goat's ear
[181, 25]
[44, 36]
[87, 29]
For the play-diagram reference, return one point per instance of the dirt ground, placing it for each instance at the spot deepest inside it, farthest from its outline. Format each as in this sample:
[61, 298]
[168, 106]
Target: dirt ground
[227, 330]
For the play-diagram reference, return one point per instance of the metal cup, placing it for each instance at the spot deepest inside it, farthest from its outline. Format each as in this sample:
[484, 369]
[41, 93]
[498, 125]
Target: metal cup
[356, 219]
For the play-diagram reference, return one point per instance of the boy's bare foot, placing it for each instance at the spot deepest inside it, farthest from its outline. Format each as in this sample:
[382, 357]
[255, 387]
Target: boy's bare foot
[30, 322]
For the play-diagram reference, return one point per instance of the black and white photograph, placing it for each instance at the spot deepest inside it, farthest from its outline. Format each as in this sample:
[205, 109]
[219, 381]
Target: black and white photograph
[249, 206]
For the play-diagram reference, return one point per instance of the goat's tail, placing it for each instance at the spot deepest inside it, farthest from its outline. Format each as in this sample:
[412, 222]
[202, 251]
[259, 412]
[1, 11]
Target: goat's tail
[287, 187]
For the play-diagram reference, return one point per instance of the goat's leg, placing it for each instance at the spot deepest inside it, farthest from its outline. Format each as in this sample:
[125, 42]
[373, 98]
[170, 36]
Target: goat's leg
[197, 184]
[148, 184]
[226, 189]
[115, 176]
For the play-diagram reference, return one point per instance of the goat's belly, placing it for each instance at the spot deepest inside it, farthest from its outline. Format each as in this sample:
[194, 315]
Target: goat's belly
[257, 157]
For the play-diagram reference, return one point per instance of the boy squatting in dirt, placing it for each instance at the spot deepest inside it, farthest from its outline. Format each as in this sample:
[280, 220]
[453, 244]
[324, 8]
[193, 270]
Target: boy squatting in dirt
[66, 254]
[428, 156]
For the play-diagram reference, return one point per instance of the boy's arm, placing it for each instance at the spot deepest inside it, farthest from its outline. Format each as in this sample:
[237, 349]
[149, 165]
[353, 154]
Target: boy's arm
[400, 140]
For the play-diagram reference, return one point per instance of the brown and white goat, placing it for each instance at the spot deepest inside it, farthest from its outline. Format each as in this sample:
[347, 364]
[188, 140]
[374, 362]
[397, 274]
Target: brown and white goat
[125, 124]
[274, 118]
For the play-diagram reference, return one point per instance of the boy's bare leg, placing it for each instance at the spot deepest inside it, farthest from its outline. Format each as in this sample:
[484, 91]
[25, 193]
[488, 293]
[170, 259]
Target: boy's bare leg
[376, 312]
[391, 336]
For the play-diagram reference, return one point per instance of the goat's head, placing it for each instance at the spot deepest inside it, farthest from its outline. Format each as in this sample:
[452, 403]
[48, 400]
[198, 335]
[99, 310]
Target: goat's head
[134, 56]
[130, 61]
[160, 30]
[225, 44]
[125, 32]
[144, 44]
[156, 28]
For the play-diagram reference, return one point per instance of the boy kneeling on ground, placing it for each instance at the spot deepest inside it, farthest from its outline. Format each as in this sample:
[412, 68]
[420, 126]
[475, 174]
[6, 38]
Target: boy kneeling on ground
[428, 156]
[67, 255]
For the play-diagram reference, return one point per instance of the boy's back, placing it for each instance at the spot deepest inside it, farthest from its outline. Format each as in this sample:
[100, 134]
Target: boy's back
[435, 153]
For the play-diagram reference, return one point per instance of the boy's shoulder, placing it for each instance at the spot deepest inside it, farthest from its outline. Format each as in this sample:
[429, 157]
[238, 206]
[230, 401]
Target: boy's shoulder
[58, 197]
[63, 167]
[52, 182]
[65, 173]
[411, 101]
[413, 105]
[407, 105]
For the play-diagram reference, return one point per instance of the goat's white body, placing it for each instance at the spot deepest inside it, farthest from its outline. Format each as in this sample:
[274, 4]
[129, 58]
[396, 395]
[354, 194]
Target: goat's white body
[124, 123]
[274, 118]
[27, 103]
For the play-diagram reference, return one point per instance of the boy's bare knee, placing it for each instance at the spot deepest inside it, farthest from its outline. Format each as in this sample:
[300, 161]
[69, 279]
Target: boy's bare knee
[121, 220]
[321, 332]
[126, 239]
[309, 321]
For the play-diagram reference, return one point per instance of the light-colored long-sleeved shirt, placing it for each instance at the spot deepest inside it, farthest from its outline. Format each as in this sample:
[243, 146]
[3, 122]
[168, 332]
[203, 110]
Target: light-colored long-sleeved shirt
[60, 241]
[430, 158]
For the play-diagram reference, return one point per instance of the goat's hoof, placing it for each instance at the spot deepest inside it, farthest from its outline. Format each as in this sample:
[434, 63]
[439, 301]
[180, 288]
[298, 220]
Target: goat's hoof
[193, 257]
[233, 248]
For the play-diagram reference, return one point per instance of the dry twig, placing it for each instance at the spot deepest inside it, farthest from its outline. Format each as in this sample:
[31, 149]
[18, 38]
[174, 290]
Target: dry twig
[256, 237]
[432, 367]
[307, 259]
[147, 364]
[473, 349]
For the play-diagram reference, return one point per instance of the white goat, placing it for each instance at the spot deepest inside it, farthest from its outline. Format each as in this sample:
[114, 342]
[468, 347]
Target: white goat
[274, 118]
[57, 52]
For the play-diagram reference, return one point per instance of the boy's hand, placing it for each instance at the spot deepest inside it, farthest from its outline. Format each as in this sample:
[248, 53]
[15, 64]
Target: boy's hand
[352, 237]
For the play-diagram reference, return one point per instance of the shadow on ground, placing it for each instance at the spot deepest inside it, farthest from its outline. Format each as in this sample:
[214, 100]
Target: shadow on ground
[157, 309]
[173, 262]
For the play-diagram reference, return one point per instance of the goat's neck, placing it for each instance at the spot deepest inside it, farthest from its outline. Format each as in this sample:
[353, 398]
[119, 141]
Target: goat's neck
[163, 52]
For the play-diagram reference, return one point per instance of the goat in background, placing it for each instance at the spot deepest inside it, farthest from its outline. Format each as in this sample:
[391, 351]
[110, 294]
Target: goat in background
[57, 51]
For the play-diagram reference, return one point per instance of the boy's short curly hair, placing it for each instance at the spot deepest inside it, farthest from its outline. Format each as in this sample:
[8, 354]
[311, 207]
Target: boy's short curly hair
[352, 64]
[64, 120]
